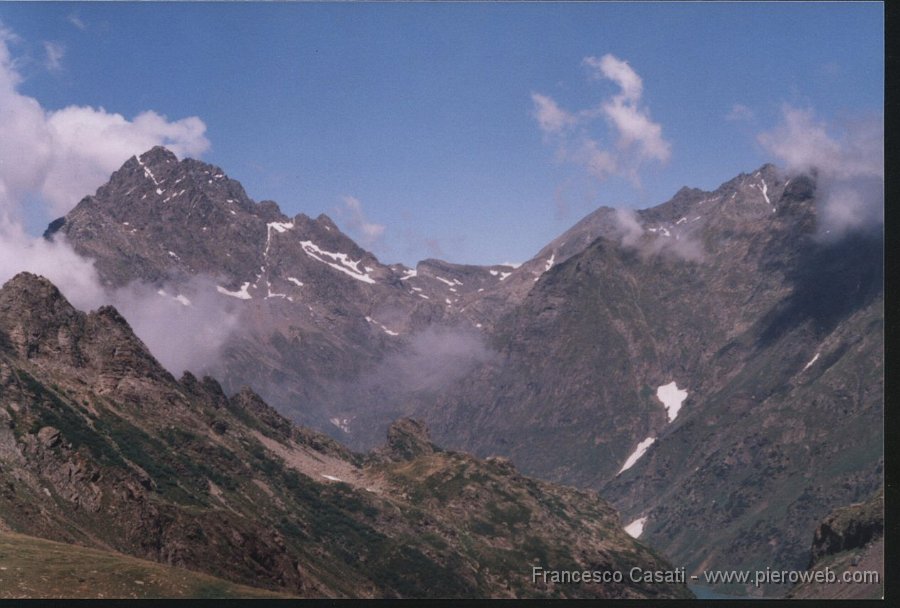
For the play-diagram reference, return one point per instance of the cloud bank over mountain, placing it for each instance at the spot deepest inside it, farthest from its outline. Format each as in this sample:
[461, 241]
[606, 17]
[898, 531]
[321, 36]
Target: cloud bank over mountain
[848, 163]
[52, 159]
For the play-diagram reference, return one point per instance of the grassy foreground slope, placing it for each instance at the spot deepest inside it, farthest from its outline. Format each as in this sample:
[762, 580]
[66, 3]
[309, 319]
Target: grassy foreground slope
[36, 568]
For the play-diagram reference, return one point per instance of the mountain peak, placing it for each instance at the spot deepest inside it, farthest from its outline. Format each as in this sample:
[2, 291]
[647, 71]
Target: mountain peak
[27, 292]
[687, 193]
[25, 280]
[157, 155]
[34, 314]
[328, 224]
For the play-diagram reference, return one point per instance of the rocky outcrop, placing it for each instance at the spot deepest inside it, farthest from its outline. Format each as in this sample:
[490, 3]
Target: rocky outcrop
[848, 528]
[849, 543]
[40, 325]
[408, 439]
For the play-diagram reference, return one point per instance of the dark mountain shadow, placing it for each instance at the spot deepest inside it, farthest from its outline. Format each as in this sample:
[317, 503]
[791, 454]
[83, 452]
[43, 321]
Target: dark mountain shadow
[831, 281]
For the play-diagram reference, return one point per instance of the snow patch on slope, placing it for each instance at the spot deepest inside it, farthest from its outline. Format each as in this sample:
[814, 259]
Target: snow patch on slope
[636, 454]
[811, 361]
[383, 328]
[340, 261]
[278, 227]
[550, 261]
[672, 398]
[271, 294]
[147, 172]
[341, 423]
[240, 294]
[636, 528]
[764, 188]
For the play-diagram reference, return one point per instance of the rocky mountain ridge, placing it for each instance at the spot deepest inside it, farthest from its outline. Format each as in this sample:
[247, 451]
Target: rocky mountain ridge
[306, 292]
[694, 360]
[102, 447]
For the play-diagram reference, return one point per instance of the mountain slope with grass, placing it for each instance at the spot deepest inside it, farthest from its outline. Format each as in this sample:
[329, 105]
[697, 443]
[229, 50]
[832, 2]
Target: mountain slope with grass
[103, 448]
[36, 568]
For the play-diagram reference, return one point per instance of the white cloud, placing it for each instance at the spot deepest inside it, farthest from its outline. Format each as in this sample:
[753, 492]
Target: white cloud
[368, 233]
[181, 337]
[849, 165]
[639, 138]
[77, 22]
[740, 112]
[804, 144]
[89, 144]
[73, 275]
[551, 118]
[801, 143]
[599, 163]
[629, 227]
[58, 157]
[613, 68]
[54, 52]
[631, 235]
[635, 127]
[9, 77]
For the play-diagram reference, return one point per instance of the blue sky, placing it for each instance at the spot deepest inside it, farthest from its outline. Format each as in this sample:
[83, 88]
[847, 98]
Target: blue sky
[425, 113]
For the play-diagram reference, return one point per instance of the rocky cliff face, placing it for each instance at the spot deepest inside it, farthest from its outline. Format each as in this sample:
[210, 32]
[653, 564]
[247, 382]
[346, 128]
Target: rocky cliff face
[849, 528]
[102, 447]
[848, 542]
